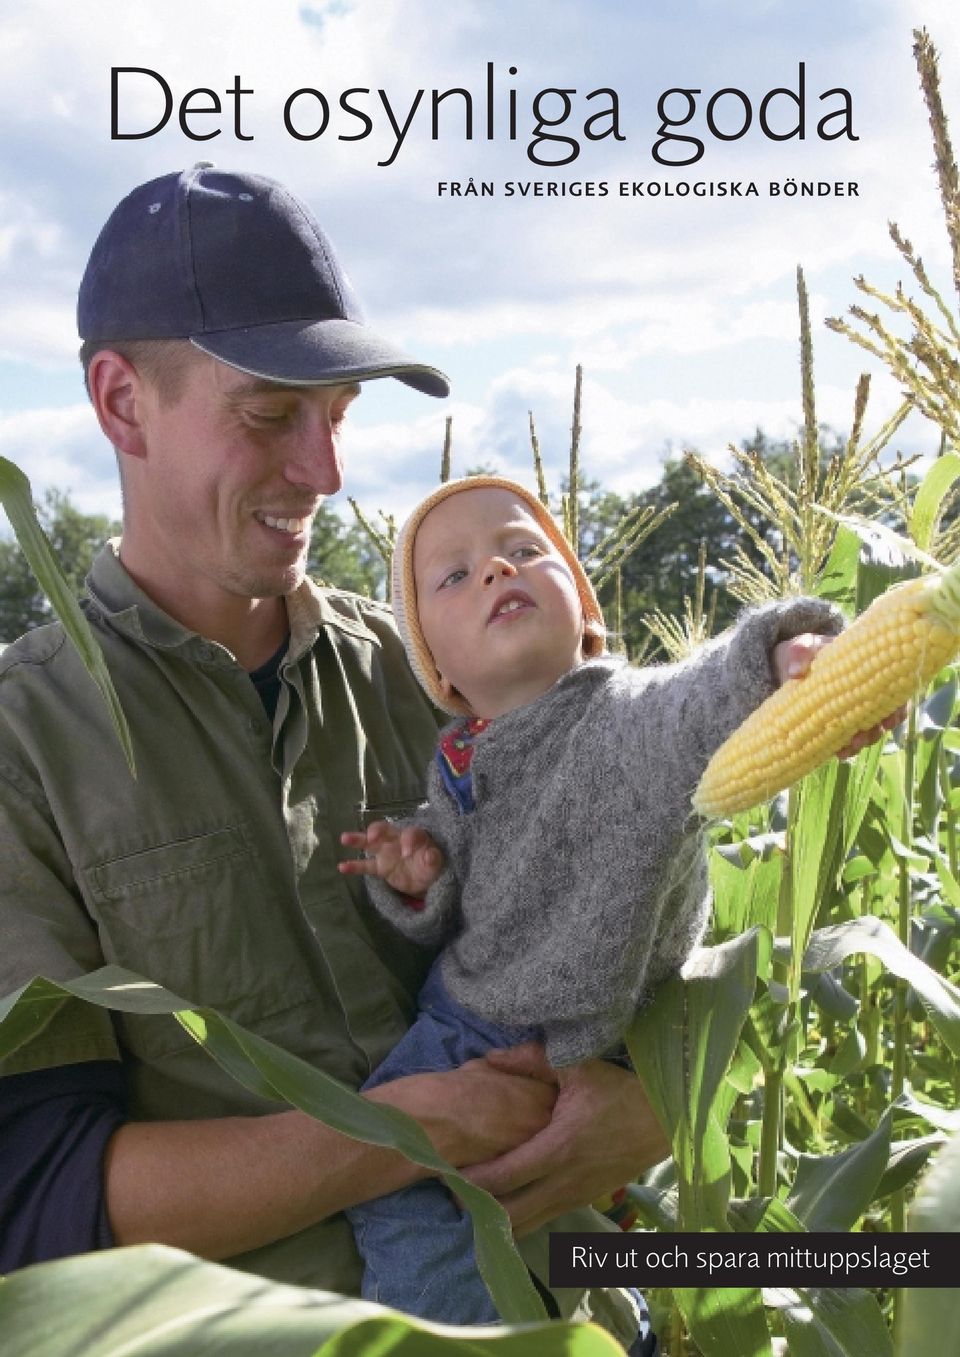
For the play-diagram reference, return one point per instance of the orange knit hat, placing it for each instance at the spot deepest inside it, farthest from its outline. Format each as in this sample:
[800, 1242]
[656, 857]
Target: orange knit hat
[404, 596]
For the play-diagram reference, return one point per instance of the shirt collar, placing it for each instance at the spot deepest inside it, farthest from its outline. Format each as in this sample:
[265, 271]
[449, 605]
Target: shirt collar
[117, 598]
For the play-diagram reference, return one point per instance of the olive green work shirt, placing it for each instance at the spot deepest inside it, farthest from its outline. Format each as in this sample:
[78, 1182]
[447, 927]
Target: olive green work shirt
[214, 873]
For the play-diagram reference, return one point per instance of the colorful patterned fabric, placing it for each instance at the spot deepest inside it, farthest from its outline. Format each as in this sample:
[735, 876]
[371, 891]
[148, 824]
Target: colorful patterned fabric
[454, 758]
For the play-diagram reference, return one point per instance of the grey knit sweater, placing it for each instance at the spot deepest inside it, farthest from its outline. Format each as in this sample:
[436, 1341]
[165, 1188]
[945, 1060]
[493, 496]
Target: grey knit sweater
[579, 881]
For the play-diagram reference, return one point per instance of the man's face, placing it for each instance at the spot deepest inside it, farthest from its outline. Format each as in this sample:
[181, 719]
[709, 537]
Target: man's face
[497, 603]
[234, 469]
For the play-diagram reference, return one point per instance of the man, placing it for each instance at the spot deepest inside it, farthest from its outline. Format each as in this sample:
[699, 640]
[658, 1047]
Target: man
[222, 349]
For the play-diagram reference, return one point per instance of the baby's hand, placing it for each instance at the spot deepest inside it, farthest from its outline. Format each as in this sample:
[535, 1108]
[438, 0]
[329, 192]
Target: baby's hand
[792, 659]
[406, 859]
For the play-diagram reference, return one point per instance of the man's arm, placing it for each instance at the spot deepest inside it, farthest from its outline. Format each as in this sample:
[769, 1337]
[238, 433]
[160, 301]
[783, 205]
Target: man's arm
[221, 1187]
[54, 1125]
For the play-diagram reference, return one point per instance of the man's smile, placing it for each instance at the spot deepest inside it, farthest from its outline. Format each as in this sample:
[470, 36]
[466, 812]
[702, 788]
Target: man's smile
[289, 525]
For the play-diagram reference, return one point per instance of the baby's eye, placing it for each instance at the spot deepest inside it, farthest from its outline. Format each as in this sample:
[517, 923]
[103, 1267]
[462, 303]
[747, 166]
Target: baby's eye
[454, 577]
[527, 550]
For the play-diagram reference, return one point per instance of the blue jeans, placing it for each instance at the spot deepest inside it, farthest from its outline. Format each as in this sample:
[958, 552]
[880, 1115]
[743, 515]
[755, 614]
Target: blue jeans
[417, 1244]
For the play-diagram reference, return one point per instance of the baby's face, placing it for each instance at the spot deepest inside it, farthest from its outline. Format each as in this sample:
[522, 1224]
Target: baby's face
[497, 602]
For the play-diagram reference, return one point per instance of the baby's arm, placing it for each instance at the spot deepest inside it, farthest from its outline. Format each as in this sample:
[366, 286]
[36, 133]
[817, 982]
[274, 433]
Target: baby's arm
[407, 858]
[410, 877]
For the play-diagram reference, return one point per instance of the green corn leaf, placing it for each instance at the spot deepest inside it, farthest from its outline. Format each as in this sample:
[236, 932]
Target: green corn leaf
[396, 1335]
[817, 844]
[856, 869]
[17, 500]
[937, 1203]
[830, 946]
[838, 578]
[682, 1045]
[745, 1068]
[259, 1065]
[764, 1215]
[949, 883]
[931, 1315]
[932, 719]
[850, 1054]
[943, 1118]
[886, 558]
[159, 1302]
[928, 797]
[907, 1159]
[848, 1123]
[744, 852]
[861, 780]
[725, 1321]
[936, 712]
[745, 885]
[831, 1192]
[768, 1027]
[929, 498]
[810, 1077]
[777, 1218]
[931, 1321]
[656, 1206]
[829, 995]
[824, 1322]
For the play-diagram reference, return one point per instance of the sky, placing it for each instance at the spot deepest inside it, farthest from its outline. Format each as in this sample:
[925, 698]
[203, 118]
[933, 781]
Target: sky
[681, 310]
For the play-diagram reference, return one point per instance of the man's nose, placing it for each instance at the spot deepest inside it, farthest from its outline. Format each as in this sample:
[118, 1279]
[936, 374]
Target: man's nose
[314, 462]
[498, 567]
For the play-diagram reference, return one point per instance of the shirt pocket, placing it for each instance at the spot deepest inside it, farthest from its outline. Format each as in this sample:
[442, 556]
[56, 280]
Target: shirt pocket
[195, 916]
[157, 892]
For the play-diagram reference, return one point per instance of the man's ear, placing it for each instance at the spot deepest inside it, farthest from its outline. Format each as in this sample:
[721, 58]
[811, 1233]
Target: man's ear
[116, 390]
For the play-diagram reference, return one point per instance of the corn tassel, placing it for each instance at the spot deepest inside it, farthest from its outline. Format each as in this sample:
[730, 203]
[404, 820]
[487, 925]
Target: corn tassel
[890, 652]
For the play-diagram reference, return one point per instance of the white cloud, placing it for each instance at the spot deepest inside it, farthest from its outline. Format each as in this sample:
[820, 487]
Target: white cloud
[683, 312]
[64, 449]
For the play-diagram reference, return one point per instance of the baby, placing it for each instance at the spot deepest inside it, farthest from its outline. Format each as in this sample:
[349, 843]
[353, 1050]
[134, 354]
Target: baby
[556, 861]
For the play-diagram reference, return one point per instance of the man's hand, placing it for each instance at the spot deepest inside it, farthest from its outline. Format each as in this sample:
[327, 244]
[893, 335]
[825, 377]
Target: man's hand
[474, 1112]
[406, 859]
[602, 1135]
[792, 659]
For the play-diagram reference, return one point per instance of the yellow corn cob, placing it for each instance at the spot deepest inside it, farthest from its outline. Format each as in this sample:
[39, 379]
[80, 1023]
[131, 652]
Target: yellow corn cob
[891, 651]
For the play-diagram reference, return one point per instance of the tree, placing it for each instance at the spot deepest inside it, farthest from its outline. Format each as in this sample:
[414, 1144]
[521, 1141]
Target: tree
[75, 538]
[339, 555]
[345, 556]
[662, 570]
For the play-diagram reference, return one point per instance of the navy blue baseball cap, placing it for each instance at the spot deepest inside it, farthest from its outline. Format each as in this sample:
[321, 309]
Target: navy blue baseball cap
[237, 265]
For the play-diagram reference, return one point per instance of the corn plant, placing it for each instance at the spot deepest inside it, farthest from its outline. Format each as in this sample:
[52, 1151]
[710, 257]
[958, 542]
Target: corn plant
[826, 1018]
[17, 501]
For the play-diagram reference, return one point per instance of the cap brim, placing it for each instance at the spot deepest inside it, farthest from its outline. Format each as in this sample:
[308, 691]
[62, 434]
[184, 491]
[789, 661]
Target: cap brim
[318, 352]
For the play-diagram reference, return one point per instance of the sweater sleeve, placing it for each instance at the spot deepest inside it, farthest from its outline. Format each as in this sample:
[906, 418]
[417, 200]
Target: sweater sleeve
[430, 922]
[437, 916]
[689, 709]
[661, 737]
